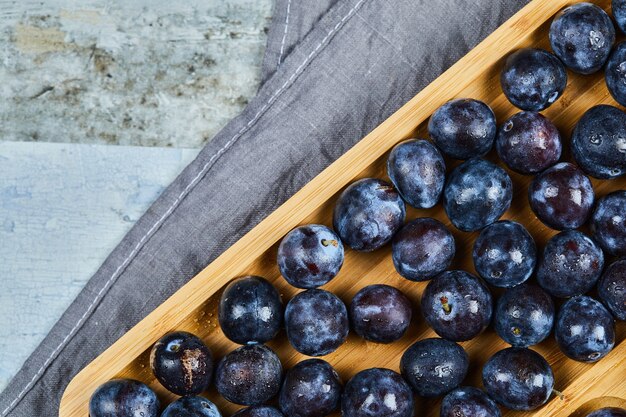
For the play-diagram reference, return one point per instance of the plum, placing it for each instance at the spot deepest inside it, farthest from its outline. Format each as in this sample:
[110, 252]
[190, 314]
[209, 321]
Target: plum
[380, 313]
[477, 194]
[259, 411]
[316, 322]
[368, 213]
[422, 249]
[182, 363]
[377, 392]
[468, 402]
[615, 73]
[250, 310]
[310, 256]
[584, 330]
[249, 375]
[533, 79]
[608, 223]
[418, 171]
[123, 398]
[191, 407]
[582, 35]
[463, 128]
[612, 289]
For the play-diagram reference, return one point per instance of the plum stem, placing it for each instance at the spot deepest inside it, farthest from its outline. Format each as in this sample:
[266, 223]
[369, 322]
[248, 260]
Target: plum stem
[444, 304]
[559, 394]
[327, 242]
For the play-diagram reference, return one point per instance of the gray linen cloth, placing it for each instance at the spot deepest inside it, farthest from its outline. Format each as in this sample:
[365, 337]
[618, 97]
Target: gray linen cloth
[334, 69]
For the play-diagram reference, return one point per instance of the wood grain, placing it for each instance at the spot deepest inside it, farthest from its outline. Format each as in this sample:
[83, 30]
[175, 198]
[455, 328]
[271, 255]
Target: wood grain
[193, 308]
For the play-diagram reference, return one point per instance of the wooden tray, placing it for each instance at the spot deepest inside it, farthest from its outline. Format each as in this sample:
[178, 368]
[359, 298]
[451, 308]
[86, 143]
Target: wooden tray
[194, 307]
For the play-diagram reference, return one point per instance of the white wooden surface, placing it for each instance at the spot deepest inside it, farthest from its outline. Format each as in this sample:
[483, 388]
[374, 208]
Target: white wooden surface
[130, 72]
[63, 207]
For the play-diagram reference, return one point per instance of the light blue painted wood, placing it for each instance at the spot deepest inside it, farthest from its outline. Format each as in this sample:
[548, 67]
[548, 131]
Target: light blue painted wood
[63, 208]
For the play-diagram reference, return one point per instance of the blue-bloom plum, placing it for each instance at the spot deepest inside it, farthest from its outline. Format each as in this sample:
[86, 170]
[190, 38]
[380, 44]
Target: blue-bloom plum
[316, 322]
[599, 142]
[457, 305]
[434, 367]
[310, 256]
[182, 363]
[422, 249]
[468, 401]
[533, 79]
[249, 375]
[191, 407]
[619, 13]
[368, 213]
[518, 378]
[529, 143]
[608, 412]
[380, 313]
[463, 128]
[418, 171]
[477, 194]
[524, 315]
[612, 289]
[584, 330]
[571, 264]
[615, 73]
[608, 223]
[377, 392]
[312, 388]
[123, 398]
[582, 35]
[504, 254]
[250, 310]
[561, 196]
[259, 411]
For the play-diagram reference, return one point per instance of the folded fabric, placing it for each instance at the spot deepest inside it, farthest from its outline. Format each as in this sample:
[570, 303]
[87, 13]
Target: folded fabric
[334, 69]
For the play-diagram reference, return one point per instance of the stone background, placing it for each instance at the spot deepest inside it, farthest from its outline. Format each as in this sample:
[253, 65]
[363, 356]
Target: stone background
[155, 78]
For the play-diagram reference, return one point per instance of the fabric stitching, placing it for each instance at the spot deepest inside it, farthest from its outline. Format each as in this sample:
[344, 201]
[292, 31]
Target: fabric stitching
[174, 205]
[282, 43]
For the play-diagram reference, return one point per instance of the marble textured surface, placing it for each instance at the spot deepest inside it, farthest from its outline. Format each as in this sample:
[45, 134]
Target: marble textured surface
[140, 72]
[63, 208]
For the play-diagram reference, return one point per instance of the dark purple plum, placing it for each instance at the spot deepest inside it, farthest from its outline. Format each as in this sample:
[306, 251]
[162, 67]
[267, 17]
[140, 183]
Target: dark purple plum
[518, 378]
[533, 79]
[524, 315]
[615, 73]
[434, 367]
[582, 35]
[529, 143]
[608, 412]
[316, 322]
[310, 256]
[191, 407]
[457, 305]
[584, 330]
[250, 311]
[377, 392]
[504, 254]
[468, 402]
[570, 265]
[312, 388]
[418, 171]
[599, 142]
[182, 363]
[259, 411]
[608, 223]
[619, 13]
[612, 289]
[123, 398]
[463, 128]
[249, 375]
[422, 249]
[368, 213]
[477, 194]
[561, 196]
[380, 313]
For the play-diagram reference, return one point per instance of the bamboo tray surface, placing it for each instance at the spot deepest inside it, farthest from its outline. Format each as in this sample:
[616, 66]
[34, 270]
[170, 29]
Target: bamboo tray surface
[194, 307]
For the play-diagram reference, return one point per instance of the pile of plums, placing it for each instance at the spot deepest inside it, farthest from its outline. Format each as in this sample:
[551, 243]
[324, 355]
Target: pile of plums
[370, 213]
